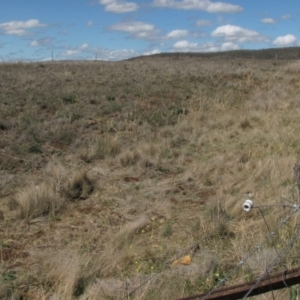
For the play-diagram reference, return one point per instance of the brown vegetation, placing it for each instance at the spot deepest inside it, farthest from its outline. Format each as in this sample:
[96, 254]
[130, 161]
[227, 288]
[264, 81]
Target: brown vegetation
[109, 171]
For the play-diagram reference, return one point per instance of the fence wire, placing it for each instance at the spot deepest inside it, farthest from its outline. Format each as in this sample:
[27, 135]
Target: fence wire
[255, 250]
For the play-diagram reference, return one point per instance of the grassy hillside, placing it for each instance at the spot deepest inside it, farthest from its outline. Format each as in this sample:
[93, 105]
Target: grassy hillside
[289, 53]
[110, 171]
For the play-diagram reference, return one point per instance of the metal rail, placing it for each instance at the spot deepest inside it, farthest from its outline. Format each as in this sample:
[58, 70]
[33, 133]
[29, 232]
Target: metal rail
[273, 282]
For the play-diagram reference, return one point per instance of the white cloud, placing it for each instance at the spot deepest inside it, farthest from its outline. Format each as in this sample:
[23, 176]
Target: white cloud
[206, 5]
[83, 46]
[232, 33]
[219, 7]
[107, 54]
[229, 46]
[70, 52]
[286, 40]
[203, 23]
[20, 28]
[136, 29]
[155, 51]
[186, 46]
[89, 23]
[75, 51]
[34, 43]
[119, 6]
[40, 42]
[177, 34]
[268, 21]
[285, 17]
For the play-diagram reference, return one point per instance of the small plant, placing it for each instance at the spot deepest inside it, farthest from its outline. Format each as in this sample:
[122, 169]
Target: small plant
[294, 293]
[115, 107]
[69, 98]
[189, 288]
[245, 124]
[207, 182]
[8, 277]
[93, 101]
[249, 276]
[179, 111]
[110, 98]
[76, 116]
[167, 230]
[35, 149]
[66, 136]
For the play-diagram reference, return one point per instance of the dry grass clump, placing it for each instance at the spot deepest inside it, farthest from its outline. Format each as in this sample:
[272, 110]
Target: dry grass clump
[65, 267]
[102, 148]
[39, 200]
[129, 157]
[79, 186]
[117, 251]
[49, 198]
[59, 272]
[105, 289]
[132, 227]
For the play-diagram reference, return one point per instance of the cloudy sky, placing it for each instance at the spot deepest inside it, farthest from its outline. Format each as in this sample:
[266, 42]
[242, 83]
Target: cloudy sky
[118, 29]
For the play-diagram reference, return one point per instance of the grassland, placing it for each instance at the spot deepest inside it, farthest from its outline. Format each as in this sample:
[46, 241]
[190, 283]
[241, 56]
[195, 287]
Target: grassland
[110, 171]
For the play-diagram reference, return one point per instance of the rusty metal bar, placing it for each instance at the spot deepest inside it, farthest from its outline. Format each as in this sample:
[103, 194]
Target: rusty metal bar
[274, 282]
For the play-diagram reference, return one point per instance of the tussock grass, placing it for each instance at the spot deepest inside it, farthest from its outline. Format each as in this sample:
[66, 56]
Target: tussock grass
[112, 258]
[39, 200]
[100, 149]
[59, 272]
[159, 162]
[129, 158]
[50, 198]
[79, 186]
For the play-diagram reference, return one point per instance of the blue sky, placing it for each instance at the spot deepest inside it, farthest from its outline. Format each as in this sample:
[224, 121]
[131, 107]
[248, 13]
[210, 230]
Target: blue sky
[32, 30]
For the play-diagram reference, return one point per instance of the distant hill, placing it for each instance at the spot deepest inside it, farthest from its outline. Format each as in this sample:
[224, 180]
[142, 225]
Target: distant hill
[289, 53]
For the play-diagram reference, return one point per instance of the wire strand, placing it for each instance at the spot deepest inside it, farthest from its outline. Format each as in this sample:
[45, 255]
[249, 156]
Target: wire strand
[274, 263]
[193, 247]
[242, 262]
[270, 233]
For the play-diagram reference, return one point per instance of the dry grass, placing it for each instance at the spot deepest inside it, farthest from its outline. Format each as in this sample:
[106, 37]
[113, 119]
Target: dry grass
[79, 186]
[36, 201]
[118, 168]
